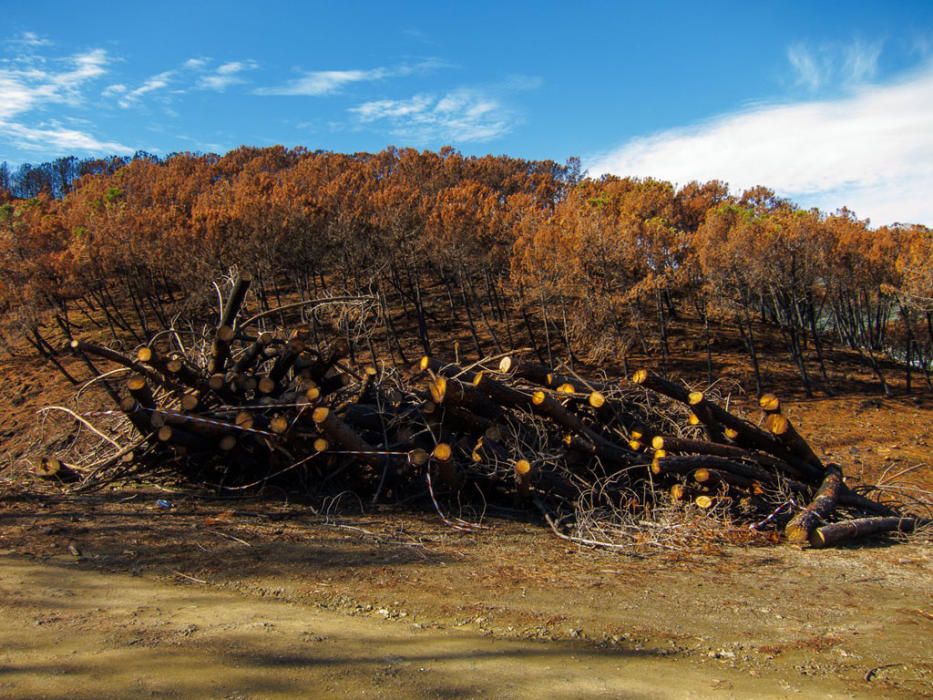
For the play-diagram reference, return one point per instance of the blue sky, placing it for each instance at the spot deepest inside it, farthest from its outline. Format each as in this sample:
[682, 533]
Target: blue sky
[829, 103]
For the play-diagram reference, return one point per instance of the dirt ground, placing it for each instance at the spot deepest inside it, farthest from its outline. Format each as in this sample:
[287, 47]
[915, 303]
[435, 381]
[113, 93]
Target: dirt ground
[110, 595]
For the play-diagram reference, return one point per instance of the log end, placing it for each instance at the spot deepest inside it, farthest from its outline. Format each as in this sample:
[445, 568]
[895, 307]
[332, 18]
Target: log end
[770, 403]
[442, 452]
[438, 389]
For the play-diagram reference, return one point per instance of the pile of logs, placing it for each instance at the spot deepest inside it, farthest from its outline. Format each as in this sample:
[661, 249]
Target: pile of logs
[287, 408]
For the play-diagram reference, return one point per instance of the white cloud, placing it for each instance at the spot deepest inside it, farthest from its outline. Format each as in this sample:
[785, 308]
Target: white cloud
[834, 64]
[327, 82]
[195, 63]
[30, 39]
[24, 89]
[870, 150]
[463, 115]
[115, 89]
[55, 136]
[156, 82]
[225, 75]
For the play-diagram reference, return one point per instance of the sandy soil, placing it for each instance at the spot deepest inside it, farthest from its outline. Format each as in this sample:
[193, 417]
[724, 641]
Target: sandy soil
[110, 596]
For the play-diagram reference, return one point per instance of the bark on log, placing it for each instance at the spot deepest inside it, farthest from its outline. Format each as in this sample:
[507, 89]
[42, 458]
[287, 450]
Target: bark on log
[818, 510]
[848, 530]
[779, 426]
[220, 350]
[81, 346]
[453, 392]
[749, 436]
[660, 385]
[235, 302]
[339, 433]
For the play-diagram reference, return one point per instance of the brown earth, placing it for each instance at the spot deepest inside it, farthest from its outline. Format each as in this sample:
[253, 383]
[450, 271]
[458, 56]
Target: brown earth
[111, 595]
[108, 595]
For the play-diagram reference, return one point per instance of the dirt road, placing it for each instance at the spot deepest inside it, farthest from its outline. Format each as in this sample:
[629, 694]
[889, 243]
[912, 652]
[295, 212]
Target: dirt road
[110, 596]
[74, 633]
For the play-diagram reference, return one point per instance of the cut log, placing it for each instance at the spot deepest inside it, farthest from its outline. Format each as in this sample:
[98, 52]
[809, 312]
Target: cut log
[253, 353]
[339, 433]
[52, 468]
[80, 346]
[849, 530]
[751, 437]
[660, 385]
[445, 369]
[236, 299]
[714, 477]
[453, 392]
[769, 404]
[140, 391]
[818, 510]
[779, 426]
[220, 350]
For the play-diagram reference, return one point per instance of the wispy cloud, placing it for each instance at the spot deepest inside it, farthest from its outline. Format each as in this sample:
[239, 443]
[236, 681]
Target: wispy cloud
[327, 82]
[194, 73]
[30, 40]
[834, 64]
[225, 75]
[463, 115]
[870, 150]
[160, 81]
[55, 136]
[26, 89]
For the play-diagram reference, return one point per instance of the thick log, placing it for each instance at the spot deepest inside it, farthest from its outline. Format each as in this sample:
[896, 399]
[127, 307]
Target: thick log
[339, 433]
[140, 391]
[52, 468]
[660, 385]
[687, 464]
[848, 497]
[235, 301]
[453, 392]
[848, 530]
[818, 510]
[286, 359]
[80, 346]
[545, 405]
[769, 404]
[253, 353]
[714, 477]
[675, 445]
[779, 426]
[138, 416]
[220, 350]
[447, 469]
[445, 369]
[752, 437]
[185, 373]
[702, 409]
[501, 393]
